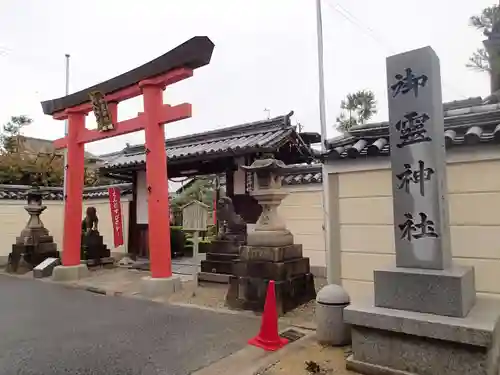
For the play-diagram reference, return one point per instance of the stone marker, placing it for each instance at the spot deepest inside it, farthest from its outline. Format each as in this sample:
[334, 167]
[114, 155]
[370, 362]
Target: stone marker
[420, 205]
[45, 268]
[424, 319]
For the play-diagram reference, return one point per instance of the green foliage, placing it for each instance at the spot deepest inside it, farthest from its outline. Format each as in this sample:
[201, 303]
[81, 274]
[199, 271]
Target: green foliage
[479, 60]
[11, 138]
[357, 108]
[200, 189]
[20, 166]
[488, 22]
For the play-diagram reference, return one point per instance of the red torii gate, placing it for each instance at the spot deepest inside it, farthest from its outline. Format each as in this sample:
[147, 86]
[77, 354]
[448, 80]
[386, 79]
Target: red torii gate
[148, 80]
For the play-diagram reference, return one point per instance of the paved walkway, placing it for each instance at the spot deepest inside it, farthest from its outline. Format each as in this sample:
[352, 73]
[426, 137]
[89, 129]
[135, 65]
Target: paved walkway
[50, 329]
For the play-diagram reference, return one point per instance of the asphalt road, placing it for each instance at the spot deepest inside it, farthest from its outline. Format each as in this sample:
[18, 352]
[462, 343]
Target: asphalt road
[46, 329]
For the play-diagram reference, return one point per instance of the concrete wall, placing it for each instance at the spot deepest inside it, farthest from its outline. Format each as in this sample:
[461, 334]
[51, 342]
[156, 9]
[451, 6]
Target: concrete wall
[364, 219]
[13, 219]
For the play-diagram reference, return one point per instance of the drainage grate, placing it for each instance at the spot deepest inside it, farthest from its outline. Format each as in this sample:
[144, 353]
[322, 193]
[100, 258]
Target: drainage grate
[292, 335]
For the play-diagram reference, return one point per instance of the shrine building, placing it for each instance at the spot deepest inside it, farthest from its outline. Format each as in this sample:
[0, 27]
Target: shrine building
[222, 152]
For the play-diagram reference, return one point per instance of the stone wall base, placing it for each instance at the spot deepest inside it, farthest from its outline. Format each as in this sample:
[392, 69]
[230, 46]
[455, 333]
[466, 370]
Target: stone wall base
[396, 342]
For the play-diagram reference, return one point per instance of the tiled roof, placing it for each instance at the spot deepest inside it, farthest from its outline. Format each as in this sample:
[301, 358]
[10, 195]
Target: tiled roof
[471, 125]
[18, 192]
[303, 175]
[260, 136]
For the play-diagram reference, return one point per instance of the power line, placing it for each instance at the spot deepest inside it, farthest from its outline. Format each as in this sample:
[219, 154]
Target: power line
[368, 31]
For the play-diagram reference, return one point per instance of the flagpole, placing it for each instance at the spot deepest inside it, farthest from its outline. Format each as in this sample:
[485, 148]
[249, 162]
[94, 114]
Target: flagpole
[66, 129]
[329, 258]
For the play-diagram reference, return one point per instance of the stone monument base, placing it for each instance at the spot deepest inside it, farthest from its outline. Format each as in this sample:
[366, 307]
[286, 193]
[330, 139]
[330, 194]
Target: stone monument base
[218, 265]
[70, 273]
[160, 287]
[294, 284]
[388, 341]
[449, 292]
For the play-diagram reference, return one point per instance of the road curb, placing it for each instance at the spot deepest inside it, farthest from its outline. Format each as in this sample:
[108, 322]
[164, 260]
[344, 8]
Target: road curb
[251, 360]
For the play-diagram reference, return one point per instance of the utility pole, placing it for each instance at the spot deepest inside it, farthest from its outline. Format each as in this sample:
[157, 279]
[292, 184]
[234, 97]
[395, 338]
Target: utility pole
[330, 258]
[66, 130]
[321, 75]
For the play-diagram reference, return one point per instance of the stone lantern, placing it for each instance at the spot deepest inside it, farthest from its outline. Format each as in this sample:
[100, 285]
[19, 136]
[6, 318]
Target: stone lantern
[34, 244]
[270, 229]
[270, 252]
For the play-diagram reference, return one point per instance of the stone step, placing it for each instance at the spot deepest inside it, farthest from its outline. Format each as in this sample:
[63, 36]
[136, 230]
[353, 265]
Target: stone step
[221, 257]
[217, 266]
[277, 271]
[209, 277]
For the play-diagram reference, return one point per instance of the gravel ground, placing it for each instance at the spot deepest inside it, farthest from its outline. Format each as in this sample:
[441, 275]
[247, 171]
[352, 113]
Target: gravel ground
[329, 359]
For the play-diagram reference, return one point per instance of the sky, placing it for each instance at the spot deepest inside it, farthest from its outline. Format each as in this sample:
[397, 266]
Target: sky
[265, 55]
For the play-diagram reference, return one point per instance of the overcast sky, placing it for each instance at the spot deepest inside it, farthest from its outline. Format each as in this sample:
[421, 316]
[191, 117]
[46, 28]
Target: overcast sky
[264, 57]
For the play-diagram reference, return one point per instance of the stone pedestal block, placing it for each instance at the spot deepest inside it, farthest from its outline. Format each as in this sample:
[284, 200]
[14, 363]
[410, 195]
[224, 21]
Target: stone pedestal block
[218, 265]
[46, 268]
[160, 287]
[270, 253]
[225, 247]
[249, 293]
[70, 273]
[277, 271]
[93, 247]
[449, 292]
[396, 342]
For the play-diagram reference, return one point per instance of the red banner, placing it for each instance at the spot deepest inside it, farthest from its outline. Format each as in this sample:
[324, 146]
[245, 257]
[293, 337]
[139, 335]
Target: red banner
[116, 215]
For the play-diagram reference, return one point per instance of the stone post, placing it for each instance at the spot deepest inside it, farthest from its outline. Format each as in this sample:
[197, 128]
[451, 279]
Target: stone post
[424, 278]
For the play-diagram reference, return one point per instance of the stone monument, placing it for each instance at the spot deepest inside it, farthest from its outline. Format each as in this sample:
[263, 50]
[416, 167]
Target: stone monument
[94, 251]
[35, 244]
[270, 252]
[424, 319]
[232, 233]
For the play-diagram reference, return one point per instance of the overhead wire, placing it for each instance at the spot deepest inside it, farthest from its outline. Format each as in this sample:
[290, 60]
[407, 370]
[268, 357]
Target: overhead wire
[370, 32]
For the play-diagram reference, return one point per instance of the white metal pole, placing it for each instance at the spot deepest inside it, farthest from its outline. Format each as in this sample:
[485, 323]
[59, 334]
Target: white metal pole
[66, 129]
[330, 259]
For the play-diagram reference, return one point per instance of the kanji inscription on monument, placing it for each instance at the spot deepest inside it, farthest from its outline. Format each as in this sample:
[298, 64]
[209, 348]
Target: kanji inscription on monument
[418, 160]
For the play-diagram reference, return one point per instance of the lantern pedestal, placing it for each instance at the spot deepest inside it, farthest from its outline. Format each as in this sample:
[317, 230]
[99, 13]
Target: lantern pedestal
[218, 266]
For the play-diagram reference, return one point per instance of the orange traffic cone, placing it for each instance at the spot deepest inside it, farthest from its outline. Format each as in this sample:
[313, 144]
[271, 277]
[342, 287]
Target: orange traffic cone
[268, 337]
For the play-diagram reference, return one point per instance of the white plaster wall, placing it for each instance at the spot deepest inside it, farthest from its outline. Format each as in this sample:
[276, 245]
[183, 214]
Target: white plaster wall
[302, 210]
[13, 219]
[365, 219]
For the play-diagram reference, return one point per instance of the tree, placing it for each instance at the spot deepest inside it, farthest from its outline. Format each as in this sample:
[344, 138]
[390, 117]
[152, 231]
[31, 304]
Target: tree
[19, 166]
[201, 189]
[489, 23]
[356, 108]
[11, 138]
